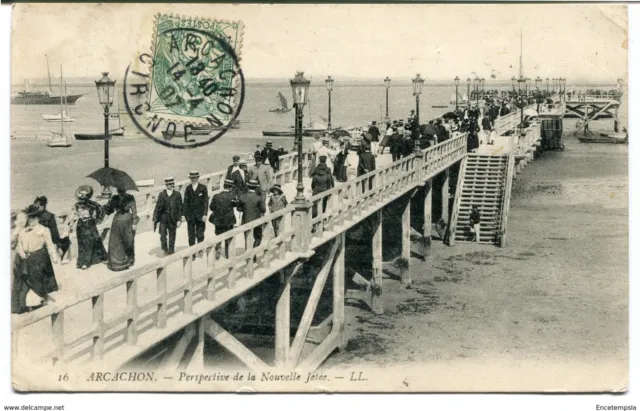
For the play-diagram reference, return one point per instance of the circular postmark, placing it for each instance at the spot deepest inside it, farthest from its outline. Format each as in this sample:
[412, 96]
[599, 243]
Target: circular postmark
[188, 92]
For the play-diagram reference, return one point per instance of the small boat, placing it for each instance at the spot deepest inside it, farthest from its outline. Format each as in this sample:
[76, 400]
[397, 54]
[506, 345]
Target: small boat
[52, 118]
[605, 138]
[40, 97]
[278, 133]
[284, 107]
[59, 139]
[116, 132]
[440, 106]
[150, 182]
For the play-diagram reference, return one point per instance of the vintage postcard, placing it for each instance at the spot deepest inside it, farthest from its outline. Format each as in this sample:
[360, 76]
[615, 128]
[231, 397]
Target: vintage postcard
[319, 198]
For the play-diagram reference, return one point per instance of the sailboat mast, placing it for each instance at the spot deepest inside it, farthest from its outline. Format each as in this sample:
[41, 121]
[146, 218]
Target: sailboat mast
[49, 73]
[61, 106]
[65, 99]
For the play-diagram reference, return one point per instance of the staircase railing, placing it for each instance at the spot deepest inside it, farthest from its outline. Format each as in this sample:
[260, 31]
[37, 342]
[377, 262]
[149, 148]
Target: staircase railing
[453, 221]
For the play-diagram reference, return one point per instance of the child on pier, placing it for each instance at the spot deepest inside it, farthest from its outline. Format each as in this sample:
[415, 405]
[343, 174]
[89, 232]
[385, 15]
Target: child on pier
[474, 223]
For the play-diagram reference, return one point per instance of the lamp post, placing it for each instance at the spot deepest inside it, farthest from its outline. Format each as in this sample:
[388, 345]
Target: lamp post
[418, 82]
[547, 86]
[300, 89]
[387, 84]
[106, 87]
[456, 81]
[468, 91]
[538, 82]
[482, 84]
[513, 84]
[329, 83]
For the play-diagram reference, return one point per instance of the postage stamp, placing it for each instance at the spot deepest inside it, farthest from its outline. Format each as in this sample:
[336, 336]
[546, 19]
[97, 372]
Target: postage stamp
[188, 91]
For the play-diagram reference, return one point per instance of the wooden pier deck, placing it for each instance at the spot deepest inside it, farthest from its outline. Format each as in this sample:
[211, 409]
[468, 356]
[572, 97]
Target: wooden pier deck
[103, 319]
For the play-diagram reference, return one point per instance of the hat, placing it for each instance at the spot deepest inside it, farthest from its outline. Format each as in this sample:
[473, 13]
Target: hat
[373, 122]
[276, 188]
[253, 183]
[228, 182]
[84, 192]
[242, 162]
[40, 200]
[323, 159]
[325, 142]
[193, 174]
[236, 158]
[32, 211]
[269, 143]
[258, 157]
[353, 148]
[169, 180]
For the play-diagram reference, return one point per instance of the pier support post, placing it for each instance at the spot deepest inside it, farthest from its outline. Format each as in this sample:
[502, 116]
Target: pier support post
[338, 293]
[426, 212]
[445, 196]
[283, 319]
[406, 241]
[376, 283]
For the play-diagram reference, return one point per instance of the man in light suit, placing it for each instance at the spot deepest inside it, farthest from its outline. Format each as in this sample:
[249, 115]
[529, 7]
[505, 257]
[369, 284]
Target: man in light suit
[167, 213]
[194, 208]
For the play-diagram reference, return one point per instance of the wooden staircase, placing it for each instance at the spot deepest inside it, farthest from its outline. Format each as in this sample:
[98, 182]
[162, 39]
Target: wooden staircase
[485, 181]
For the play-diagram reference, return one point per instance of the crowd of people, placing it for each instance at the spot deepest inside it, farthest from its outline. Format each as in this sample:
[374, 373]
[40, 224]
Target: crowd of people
[248, 193]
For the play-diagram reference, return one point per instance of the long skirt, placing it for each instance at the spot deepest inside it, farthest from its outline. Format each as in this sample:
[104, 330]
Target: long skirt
[121, 243]
[32, 273]
[90, 248]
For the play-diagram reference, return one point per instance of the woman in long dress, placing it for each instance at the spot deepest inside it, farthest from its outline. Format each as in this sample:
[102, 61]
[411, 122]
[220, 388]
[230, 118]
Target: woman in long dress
[88, 214]
[33, 269]
[121, 253]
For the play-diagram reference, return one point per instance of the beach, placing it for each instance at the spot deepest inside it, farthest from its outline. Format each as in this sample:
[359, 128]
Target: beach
[551, 306]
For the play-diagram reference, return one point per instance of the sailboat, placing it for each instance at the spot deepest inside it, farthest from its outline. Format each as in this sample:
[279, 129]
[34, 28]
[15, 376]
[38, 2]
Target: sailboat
[284, 108]
[59, 139]
[119, 131]
[40, 97]
[62, 116]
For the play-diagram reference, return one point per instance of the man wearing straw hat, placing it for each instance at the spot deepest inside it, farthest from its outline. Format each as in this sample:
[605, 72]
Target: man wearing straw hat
[194, 208]
[167, 213]
[223, 213]
[252, 207]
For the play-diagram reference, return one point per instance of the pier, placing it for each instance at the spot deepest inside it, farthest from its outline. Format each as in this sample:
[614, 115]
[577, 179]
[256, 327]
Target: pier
[163, 309]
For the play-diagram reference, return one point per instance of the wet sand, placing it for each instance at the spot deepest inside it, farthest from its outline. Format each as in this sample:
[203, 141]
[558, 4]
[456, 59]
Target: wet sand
[549, 311]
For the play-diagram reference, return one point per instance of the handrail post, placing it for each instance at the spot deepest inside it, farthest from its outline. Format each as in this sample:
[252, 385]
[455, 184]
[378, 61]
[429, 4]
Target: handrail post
[302, 226]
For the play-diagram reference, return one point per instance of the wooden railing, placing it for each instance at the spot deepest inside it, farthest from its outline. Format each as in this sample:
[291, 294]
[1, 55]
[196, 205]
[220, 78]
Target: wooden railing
[143, 324]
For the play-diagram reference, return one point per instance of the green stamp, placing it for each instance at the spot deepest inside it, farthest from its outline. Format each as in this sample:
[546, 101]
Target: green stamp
[196, 77]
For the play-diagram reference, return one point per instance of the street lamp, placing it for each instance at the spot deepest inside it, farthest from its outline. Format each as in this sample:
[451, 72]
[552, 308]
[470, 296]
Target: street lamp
[418, 82]
[538, 97]
[468, 91]
[513, 84]
[387, 84]
[300, 89]
[106, 92]
[457, 83]
[482, 83]
[329, 83]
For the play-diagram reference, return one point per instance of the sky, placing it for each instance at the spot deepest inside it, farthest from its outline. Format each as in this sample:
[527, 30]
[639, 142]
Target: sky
[579, 41]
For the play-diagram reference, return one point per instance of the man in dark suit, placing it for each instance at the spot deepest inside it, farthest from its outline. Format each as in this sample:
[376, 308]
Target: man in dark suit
[222, 214]
[194, 208]
[233, 167]
[48, 219]
[252, 206]
[168, 212]
[272, 155]
[240, 178]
